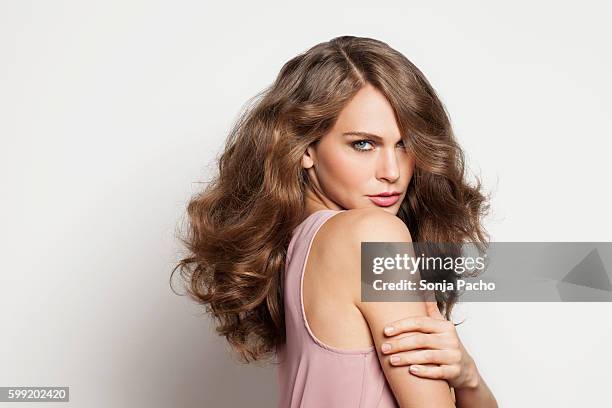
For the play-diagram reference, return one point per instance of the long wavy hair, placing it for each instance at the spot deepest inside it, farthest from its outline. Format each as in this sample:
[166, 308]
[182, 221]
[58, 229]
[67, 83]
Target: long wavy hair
[240, 225]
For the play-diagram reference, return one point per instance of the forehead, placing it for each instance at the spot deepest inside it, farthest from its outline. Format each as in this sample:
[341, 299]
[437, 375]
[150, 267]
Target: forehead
[368, 111]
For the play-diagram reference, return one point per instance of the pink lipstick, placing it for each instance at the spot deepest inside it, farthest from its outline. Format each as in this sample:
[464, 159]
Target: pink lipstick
[385, 199]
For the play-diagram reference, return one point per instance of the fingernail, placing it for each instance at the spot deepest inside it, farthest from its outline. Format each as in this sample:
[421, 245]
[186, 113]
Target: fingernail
[414, 368]
[394, 359]
[389, 329]
[386, 347]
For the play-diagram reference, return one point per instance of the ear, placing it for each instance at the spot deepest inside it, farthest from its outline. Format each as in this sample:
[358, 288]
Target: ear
[308, 158]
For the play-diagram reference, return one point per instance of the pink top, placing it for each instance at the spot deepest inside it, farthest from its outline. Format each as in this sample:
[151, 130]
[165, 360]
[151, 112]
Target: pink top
[312, 374]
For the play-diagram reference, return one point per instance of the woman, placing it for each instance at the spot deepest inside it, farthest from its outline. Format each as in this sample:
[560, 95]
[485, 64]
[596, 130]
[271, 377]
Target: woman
[275, 238]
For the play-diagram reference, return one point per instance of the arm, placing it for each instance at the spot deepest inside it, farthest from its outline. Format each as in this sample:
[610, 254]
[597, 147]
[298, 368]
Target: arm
[446, 352]
[374, 225]
[409, 389]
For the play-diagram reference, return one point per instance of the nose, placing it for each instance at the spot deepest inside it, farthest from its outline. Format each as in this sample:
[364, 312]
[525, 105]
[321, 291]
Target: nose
[388, 166]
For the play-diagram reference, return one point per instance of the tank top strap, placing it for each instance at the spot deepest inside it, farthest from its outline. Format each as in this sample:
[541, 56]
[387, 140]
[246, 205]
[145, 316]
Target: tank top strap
[307, 229]
[297, 255]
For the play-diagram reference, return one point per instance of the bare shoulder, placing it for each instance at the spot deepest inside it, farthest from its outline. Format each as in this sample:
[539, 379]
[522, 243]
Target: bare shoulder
[351, 227]
[340, 241]
[344, 234]
[331, 278]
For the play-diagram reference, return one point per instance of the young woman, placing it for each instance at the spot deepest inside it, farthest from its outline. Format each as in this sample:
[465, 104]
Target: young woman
[350, 144]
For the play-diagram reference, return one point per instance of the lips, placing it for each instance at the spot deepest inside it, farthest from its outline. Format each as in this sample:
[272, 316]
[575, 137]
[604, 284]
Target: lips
[385, 199]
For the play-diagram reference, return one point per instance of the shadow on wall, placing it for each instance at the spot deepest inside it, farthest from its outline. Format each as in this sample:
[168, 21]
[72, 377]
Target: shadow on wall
[207, 373]
[176, 359]
[229, 383]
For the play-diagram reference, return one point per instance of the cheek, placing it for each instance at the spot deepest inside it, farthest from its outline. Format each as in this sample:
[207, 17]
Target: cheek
[410, 170]
[344, 171]
[408, 165]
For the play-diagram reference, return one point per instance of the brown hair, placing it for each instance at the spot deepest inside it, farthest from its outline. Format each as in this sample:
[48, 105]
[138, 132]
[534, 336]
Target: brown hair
[241, 224]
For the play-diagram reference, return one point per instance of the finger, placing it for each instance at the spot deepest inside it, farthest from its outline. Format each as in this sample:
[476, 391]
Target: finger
[423, 357]
[435, 372]
[416, 341]
[423, 324]
[432, 306]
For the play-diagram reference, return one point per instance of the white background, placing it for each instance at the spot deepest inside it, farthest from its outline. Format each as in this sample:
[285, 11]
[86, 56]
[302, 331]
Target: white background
[112, 111]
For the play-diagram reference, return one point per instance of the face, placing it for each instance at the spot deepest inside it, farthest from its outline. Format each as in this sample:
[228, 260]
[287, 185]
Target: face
[361, 157]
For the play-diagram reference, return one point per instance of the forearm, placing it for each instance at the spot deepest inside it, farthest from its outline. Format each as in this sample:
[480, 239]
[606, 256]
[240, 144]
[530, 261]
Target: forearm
[475, 395]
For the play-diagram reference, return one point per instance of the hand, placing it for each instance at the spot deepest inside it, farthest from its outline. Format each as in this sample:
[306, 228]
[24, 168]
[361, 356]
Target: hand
[440, 347]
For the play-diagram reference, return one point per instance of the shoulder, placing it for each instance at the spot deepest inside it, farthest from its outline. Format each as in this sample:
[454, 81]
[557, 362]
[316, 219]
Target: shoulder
[351, 227]
[346, 231]
[340, 239]
[343, 236]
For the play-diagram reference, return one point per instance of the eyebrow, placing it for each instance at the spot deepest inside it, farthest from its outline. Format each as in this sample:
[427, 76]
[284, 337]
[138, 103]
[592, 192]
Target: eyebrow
[364, 134]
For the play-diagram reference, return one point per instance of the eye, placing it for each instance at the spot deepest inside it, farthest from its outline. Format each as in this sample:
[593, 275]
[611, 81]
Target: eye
[358, 143]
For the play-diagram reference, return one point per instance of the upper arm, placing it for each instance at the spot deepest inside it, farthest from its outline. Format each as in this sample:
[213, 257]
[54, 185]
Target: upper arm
[374, 225]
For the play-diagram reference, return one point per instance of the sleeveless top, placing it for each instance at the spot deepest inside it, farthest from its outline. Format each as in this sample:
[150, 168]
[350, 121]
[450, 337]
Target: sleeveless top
[312, 374]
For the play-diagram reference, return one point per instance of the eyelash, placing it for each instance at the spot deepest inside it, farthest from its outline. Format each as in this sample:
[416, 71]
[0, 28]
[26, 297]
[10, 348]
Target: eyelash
[368, 141]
